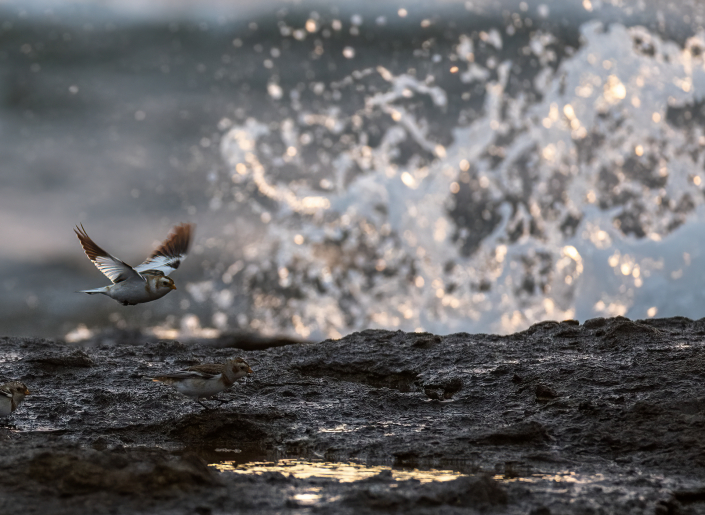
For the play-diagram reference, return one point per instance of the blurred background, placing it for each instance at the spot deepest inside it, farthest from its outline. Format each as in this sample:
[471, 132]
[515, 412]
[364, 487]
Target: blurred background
[443, 166]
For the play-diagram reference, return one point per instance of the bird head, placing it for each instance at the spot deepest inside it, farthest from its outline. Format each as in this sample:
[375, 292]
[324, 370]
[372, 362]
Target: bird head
[18, 388]
[239, 367]
[166, 282]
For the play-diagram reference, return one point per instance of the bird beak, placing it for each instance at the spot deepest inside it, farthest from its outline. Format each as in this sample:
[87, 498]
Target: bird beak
[26, 391]
[173, 286]
[249, 370]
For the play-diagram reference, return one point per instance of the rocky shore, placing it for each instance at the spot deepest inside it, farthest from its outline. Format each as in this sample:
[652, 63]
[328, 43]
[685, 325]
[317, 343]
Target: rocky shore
[603, 417]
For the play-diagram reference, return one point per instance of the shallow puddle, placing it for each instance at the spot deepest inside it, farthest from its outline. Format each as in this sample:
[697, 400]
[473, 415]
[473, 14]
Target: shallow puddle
[566, 481]
[559, 477]
[253, 462]
[343, 472]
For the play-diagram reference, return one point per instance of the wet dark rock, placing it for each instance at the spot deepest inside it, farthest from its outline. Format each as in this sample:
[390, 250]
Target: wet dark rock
[402, 380]
[625, 328]
[521, 433]
[73, 358]
[443, 389]
[221, 429]
[468, 492]
[570, 332]
[426, 340]
[141, 472]
[621, 411]
[164, 347]
[594, 323]
[545, 393]
[690, 496]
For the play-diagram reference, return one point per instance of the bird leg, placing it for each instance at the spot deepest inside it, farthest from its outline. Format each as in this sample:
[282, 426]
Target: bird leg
[207, 407]
[221, 401]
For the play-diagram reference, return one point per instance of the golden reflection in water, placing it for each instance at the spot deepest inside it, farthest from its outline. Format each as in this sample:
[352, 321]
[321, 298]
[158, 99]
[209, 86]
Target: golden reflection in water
[343, 428]
[343, 472]
[309, 497]
[560, 477]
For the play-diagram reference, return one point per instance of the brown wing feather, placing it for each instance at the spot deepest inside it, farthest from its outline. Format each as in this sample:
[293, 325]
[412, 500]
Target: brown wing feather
[207, 368]
[114, 269]
[91, 249]
[169, 255]
[176, 244]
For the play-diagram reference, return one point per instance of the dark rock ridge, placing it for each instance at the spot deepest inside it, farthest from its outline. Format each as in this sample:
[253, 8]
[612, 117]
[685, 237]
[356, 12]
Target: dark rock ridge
[603, 417]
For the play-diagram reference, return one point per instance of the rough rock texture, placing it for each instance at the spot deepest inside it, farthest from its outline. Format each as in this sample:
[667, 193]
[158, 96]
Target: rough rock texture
[604, 417]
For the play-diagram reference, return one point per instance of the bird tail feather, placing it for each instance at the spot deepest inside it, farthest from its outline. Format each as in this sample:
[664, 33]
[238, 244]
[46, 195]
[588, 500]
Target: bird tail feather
[93, 291]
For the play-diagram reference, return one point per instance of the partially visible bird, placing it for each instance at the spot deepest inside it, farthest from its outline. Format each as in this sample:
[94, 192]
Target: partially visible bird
[11, 396]
[145, 282]
[204, 381]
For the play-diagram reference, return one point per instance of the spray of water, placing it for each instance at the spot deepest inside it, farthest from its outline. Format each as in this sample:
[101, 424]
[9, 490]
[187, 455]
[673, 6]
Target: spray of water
[545, 198]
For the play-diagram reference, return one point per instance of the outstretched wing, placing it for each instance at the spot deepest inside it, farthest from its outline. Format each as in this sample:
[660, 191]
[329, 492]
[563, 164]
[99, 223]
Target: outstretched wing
[171, 253]
[114, 269]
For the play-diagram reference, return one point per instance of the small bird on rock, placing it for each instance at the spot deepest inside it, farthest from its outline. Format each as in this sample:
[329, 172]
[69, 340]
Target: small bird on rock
[143, 283]
[11, 396]
[204, 381]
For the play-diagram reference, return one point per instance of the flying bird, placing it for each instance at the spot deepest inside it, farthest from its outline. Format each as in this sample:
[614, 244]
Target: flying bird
[146, 282]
